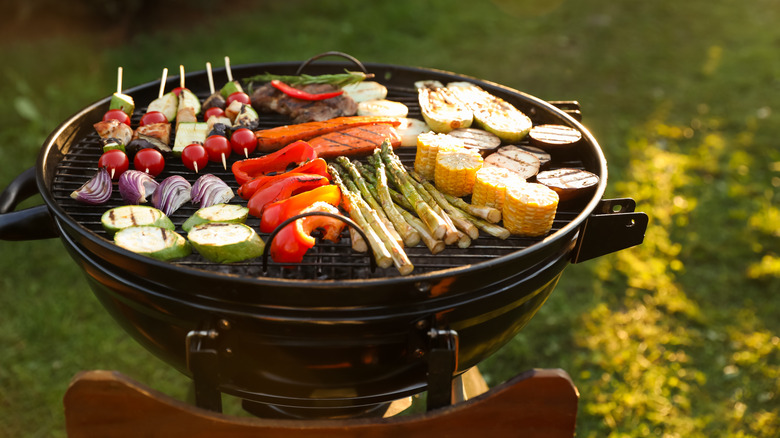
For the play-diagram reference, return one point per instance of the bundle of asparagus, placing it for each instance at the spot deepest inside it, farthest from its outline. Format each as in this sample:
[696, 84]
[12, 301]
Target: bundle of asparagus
[397, 207]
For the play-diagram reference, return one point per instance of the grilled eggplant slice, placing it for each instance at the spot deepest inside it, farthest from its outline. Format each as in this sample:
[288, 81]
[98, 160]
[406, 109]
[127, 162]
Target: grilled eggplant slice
[479, 139]
[125, 216]
[441, 111]
[230, 213]
[223, 242]
[156, 242]
[492, 113]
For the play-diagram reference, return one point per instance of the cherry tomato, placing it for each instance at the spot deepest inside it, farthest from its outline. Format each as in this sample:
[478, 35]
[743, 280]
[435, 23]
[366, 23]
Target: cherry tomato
[150, 161]
[239, 96]
[153, 117]
[117, 114]
[243, 141]
[115, 161]
[177, 90]
[218, 148]
[195, 157]
[213, 111]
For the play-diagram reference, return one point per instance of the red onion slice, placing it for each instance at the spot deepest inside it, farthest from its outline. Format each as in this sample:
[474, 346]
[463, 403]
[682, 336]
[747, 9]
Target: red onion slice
[209, 190]
[172, 193]
[95, 191]
[135, 186]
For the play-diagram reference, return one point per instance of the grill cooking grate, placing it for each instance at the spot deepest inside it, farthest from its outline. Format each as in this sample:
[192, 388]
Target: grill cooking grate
[323, 262]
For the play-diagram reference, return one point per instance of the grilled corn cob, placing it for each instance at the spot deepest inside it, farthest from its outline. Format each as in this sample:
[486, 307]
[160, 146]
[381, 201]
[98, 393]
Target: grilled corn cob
[490, 186]
[428, 146]
[456, 170]
[529, 209]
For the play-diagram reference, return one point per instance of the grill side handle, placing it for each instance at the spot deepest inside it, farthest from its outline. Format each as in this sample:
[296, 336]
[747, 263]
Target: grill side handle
[612, 226]
[32, 223]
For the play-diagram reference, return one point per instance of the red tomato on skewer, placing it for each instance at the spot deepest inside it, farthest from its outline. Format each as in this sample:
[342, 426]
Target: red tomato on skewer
[150, 161]
[117, 114]
[195, 157]
[213, 111]
[115, 161]
[153, 117]
[218, 148]
[243, 141]
[239, 96]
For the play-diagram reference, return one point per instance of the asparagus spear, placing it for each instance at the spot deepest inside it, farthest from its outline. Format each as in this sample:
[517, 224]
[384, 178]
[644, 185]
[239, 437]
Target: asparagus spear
[382, 256]
[490, 214]
[350, 190]
[398, 198]
[434, 245]
[433, 221]
[458, 219]
[357, 178]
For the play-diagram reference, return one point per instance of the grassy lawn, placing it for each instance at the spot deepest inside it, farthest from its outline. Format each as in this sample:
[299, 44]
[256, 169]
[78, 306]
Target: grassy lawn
[677, 337]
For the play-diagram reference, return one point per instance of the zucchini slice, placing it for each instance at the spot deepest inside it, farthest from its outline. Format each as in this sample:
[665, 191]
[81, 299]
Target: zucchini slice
[382, 107]
[188, 133]
[491, 112]
[441, 111]
[409, 129]
[167, 104]
[223, 242]
[156, 242]
[125, 216]
[231, 213]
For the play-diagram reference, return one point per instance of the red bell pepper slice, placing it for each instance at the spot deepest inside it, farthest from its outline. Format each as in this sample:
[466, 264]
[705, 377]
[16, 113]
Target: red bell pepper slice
[277, 212]
[295, 153]
[300, 94]
[291, 242]
[293, 184]
[317, 166]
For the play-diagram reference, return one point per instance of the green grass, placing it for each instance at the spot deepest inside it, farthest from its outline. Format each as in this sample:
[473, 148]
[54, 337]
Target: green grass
[677, 337]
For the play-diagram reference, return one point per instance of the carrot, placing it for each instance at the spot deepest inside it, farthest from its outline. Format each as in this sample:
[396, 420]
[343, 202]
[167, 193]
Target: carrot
[356, 141]
[275, 138]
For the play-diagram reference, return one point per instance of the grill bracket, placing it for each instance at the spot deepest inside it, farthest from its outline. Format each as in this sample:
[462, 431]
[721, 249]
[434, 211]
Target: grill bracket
[613, 225]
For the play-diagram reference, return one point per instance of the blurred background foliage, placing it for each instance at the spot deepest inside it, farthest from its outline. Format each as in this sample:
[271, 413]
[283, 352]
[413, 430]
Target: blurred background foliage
[676, 337]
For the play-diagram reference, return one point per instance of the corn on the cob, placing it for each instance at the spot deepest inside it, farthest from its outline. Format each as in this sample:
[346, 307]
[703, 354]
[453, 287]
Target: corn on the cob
[428, 146]
[490, 186]
[529, 209]
[456, 170]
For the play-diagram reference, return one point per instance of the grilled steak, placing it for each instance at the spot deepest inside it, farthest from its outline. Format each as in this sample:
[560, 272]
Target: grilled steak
[269, 99]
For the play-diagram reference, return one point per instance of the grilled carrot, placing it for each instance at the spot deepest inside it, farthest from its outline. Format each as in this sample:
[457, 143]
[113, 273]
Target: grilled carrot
[360, 140]
[272, 139]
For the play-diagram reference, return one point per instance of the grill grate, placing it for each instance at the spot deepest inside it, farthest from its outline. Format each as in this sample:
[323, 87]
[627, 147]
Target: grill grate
[326, 260]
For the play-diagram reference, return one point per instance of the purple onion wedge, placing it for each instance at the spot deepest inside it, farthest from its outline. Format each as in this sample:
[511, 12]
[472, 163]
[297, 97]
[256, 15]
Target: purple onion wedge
[172, 193]
[135, 186]
[95, 191]
[209, 190]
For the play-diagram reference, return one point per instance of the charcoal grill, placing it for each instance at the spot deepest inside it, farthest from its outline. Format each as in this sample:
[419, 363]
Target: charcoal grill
[329, 336]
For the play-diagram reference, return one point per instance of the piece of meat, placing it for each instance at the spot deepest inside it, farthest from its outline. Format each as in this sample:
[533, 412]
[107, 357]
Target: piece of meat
[114, 129]
[160, 131]
[275, 138]
[268, 99]
[357, 141]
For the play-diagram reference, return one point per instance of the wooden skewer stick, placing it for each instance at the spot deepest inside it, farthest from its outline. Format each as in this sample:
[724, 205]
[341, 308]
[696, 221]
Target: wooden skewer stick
[195, 163]
[211, 78]
[119, 80]
[162, 82]
[181, 75]
[227, 69]
[224, 162]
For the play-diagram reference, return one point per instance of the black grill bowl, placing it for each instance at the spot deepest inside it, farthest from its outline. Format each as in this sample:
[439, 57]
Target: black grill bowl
[329, 340]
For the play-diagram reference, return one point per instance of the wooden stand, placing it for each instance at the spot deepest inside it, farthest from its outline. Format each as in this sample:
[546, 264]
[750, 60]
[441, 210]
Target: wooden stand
[537, 403]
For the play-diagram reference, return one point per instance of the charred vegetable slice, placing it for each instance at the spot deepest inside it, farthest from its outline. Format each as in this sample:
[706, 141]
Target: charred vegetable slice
[167, 104]
[223, 242]
[230, 213]
[441, 111]
[125, 216]
[492, 113]
[157, 242]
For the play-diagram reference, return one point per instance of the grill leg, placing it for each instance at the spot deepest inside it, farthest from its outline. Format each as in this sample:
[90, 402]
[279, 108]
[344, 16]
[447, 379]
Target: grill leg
[202, 363]
[442, 363]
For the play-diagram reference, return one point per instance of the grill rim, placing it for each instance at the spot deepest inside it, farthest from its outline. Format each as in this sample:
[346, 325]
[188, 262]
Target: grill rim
[72, 129]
